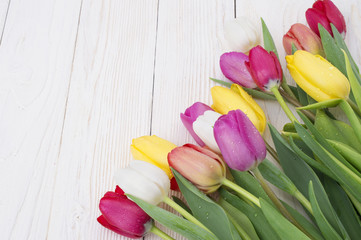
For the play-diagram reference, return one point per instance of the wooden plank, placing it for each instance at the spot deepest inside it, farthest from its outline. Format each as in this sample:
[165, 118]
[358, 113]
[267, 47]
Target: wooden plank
[188, 50]
[35, 64]
[109, 104]
[4, 6]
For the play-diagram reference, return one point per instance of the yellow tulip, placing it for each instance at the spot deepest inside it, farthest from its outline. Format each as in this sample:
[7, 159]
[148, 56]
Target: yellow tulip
[154, 150]
[225, 100]
[317, 77]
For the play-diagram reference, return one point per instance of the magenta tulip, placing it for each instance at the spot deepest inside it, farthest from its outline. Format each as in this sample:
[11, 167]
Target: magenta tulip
[234, 68]
[325, 12]
[265, 68]
[190, 116]
[202, 167]
[123, 216]
[240, 142]
[303, 38]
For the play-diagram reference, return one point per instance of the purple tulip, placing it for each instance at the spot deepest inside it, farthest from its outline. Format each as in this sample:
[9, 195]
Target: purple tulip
[265, 68]
[122, 215]
[234, 68]
[190, 116]
[325, 12]
[240, 142]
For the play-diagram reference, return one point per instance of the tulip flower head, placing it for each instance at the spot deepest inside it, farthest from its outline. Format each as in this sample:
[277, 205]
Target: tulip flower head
[154, 150]
[325, 12]
[317, 77]
[225, 100]
[190, 116]
[123, 216]
[143, 180]
[265, 68]
[303, 38]
[202, 167]
[233, 67]
[241, 145]
[241, 34]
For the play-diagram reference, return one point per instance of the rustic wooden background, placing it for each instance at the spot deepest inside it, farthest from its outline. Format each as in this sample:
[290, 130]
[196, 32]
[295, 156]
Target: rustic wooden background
[80, 78]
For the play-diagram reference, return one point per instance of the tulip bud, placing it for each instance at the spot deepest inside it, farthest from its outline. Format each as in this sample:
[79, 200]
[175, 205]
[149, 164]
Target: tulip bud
[225, 100]
[303, 38]
[143, 180]
[203, 127]
[265, 68]
[234, 68]
[324, 12]
[317, 77]
[202, 167]
[123, 216]
[240, 143]
[241, 34]
[154, 150]
[190, 116]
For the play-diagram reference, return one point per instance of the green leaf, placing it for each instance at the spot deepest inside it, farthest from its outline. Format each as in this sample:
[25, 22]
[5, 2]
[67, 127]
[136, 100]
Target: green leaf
[224, 83]
[173, 222]
[182, 204]
[345, 176]
[301, 174]
[269, 44]
[302, 96]
[333, 52]
[355, 84]
[248, 182]
[343, 207]
[323, 104]
[323, 142]
[241, 219]
[294, 48]
[275, 176]
[281, 225]
[327, 230]
[205, 210]
[348, 152]
[336, 130]
[342, 45]
[260, 223]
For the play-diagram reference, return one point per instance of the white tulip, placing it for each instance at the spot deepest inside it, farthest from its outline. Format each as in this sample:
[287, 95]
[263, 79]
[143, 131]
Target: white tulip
[241, 34]
[143, 180]
[203, 127]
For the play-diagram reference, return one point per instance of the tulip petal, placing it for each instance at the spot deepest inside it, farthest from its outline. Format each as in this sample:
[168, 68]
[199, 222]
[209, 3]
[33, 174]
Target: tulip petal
[241, 144]
[232, 66]
[315, 17]
[335, 16]
[203, 127]
[190, 115]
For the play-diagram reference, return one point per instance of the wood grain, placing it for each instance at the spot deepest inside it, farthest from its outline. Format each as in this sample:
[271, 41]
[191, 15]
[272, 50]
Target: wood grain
[35, 64]
[109, 103]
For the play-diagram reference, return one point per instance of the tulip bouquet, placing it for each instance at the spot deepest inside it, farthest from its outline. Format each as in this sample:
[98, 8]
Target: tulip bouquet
[224, 181]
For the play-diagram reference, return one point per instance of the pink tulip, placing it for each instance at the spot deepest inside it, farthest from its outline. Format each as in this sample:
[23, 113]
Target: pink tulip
[324, 12]
[303, 38]
[202, 167]
[190, 116]
[265, 68]
[122, 215]
[234, 68]
[240, 142]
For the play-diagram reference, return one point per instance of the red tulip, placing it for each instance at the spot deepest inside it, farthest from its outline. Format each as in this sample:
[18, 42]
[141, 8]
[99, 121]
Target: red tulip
[265, 68]
[324, 12]
[123, 216]
[303, 38]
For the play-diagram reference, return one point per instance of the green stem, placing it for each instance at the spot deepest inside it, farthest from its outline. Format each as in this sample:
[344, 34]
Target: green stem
[244, 193]
[354, 121]
[283, 104]
[277, 202]
[303, 200]
[183, 212]
[296, 103]
[291, 134]
[160, 233]
[354, 107]
[271, 151]
[287, 89]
